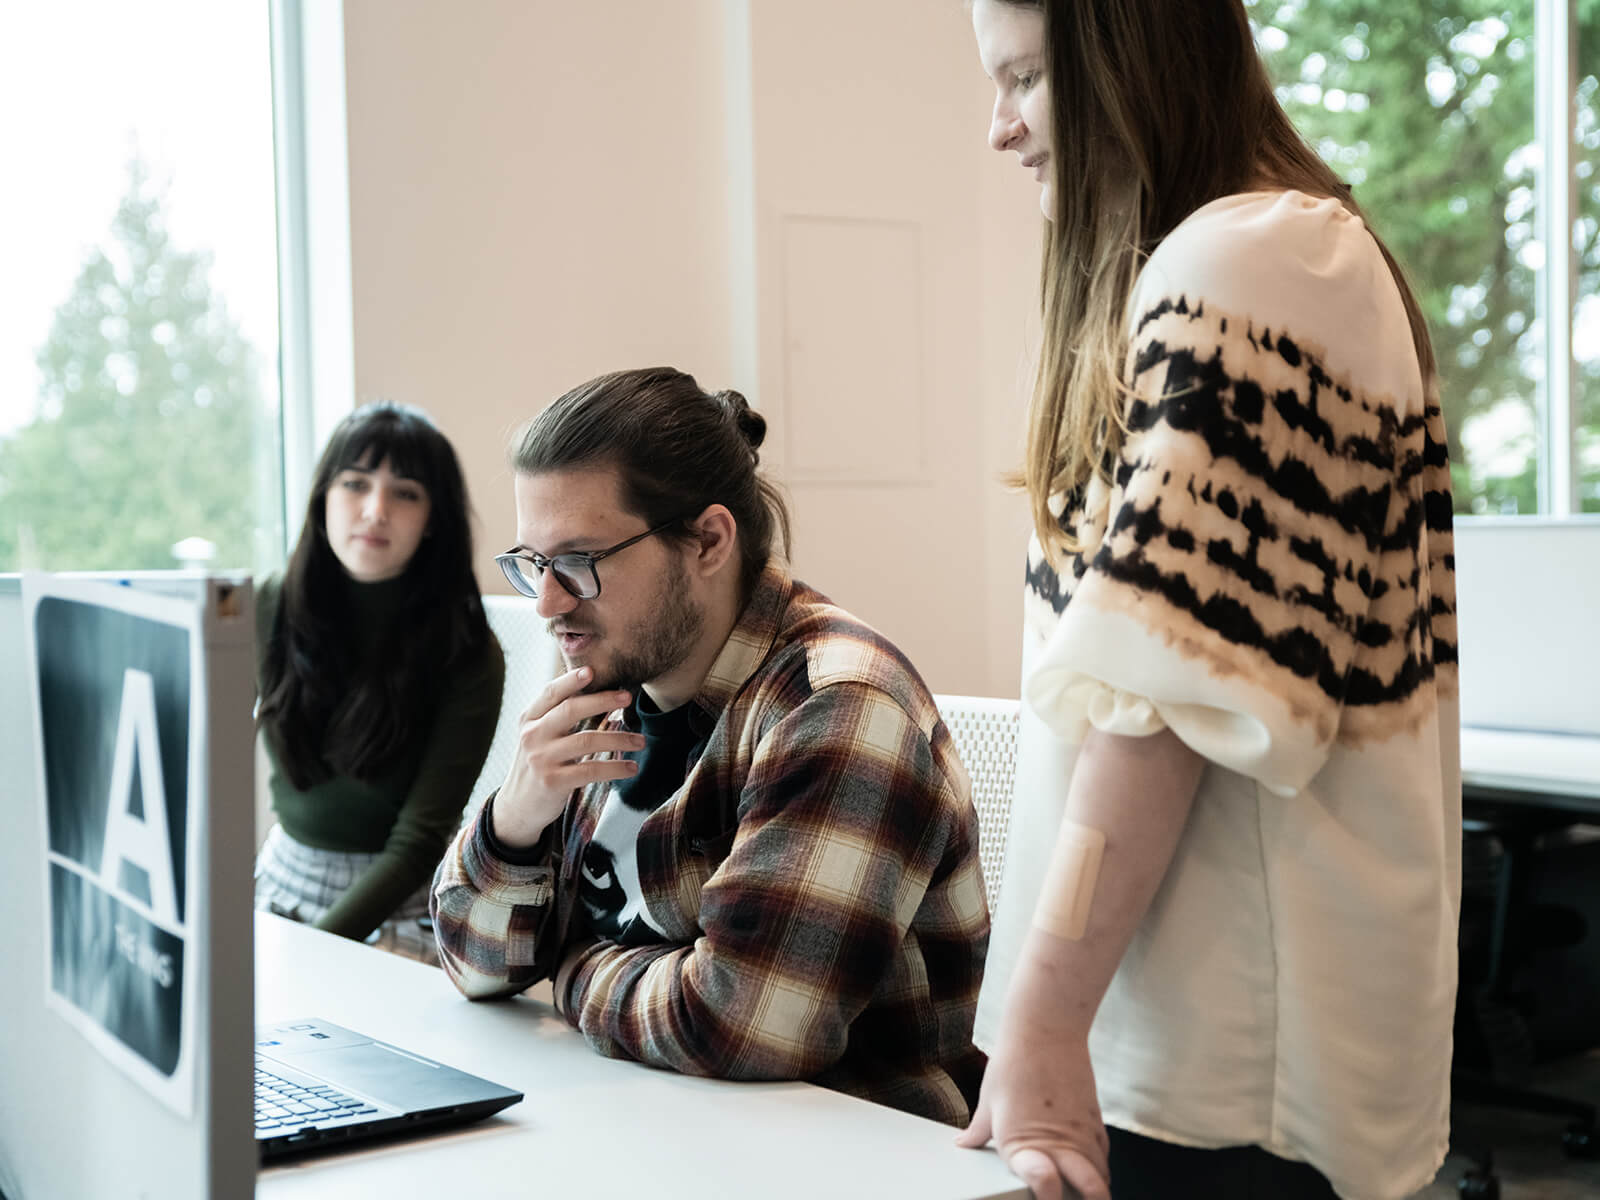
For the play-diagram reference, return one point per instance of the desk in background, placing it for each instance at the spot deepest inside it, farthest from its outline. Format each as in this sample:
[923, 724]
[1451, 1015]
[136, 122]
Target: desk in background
[1556, 771]
[590, 1126]
[1517, 787]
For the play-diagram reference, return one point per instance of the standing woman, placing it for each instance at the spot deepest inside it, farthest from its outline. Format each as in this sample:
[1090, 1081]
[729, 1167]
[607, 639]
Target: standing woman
[1233, 876]
[379, 682]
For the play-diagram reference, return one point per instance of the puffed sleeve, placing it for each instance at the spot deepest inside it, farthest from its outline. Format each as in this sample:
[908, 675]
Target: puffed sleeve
[1232, 595]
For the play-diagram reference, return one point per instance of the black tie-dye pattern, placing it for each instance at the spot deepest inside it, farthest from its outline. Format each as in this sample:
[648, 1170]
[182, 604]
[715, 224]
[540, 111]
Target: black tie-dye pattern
[1305, 524]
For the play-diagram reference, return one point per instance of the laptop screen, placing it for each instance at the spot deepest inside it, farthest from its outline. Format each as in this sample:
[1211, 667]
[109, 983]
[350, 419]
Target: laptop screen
[126, 735]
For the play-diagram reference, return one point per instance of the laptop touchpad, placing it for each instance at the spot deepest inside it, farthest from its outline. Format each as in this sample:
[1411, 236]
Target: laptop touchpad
[396, 1078]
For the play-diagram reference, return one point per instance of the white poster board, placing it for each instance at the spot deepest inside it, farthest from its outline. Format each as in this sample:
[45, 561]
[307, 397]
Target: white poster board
[119, 709]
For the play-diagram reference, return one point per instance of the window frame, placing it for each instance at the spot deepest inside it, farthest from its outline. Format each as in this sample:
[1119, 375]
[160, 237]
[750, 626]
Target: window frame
[1556, 108]
[315, 308]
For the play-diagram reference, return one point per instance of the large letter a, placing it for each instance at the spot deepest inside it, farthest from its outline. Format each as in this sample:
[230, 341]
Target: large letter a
[140, 841]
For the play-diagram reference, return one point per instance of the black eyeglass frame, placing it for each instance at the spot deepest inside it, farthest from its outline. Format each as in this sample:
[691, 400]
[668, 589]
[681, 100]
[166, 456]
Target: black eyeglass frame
[546, 566]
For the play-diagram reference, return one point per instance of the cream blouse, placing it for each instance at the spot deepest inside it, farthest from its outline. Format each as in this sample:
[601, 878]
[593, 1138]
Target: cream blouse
[1271, 576]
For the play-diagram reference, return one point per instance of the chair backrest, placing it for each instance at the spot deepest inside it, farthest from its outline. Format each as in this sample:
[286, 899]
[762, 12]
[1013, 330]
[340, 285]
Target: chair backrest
[984, 729]
[532, 660]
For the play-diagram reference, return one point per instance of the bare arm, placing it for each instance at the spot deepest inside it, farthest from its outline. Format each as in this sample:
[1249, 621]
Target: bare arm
[1137, 791]
[1038, 1097]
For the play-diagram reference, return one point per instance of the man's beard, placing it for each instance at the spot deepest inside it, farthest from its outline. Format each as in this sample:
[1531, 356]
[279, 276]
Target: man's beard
[649, 651]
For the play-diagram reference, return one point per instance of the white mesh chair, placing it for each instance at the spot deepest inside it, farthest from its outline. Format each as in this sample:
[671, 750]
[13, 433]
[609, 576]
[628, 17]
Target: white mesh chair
[532, 660]
[984, 730]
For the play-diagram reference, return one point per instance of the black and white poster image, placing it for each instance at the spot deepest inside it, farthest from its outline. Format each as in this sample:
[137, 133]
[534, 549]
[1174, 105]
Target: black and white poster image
[115, 700]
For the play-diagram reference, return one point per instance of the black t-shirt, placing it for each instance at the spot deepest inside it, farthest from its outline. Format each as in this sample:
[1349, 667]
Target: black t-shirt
[609, 885]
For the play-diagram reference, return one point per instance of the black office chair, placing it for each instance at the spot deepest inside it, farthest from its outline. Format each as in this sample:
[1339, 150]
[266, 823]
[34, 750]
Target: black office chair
[1500, 929]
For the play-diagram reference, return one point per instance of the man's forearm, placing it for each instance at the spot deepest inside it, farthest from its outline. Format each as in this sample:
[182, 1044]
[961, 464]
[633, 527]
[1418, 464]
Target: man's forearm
[1137, 792]
[482, 907]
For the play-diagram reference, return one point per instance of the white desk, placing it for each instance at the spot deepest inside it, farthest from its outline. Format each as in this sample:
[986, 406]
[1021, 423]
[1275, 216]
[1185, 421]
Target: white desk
[590, 1126]
[1555, 770]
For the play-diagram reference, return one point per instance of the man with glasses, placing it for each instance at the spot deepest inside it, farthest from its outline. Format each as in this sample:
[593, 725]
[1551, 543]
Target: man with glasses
[735, 833]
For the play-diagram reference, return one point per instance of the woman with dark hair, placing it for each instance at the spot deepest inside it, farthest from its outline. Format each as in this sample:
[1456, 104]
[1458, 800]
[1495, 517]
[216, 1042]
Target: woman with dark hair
[1225, 965]
[379, 684]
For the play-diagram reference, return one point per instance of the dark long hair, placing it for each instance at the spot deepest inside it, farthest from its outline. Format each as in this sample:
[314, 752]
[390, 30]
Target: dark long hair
[1173, 104]
[323, 712]
[676, 447]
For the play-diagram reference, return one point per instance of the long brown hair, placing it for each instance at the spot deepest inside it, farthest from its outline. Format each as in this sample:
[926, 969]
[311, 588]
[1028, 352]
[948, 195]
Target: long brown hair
[324, 712]
[1156, 110]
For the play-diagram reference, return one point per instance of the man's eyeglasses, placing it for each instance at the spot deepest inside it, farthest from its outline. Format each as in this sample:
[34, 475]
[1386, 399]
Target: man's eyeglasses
[573, 571]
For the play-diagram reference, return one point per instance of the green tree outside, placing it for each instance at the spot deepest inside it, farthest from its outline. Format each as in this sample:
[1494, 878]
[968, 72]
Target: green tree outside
[1427, 109]
[151, 419]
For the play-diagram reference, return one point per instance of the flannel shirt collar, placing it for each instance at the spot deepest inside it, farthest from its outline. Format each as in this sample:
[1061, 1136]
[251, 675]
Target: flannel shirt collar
[750, 642]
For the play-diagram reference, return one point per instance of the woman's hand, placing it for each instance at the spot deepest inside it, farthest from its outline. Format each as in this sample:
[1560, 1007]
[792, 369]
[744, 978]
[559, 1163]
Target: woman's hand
[552, 758]
[1038, 1103]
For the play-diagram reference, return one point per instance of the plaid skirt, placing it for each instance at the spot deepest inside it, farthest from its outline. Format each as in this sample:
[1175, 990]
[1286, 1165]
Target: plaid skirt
[302, 883]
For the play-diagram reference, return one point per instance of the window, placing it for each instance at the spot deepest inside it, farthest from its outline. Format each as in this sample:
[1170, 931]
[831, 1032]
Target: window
[1586, 250]
[1451, 121]
[139, 397]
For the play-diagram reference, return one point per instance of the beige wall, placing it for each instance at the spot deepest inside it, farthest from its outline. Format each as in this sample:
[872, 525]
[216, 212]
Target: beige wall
[789, 198]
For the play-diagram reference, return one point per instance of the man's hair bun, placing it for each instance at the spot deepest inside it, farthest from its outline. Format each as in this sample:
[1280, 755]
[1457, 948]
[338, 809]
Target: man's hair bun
[751, 424]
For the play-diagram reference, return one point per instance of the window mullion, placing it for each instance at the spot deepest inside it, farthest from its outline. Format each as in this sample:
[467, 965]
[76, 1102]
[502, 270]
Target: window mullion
[1556, 76]
[315, 274]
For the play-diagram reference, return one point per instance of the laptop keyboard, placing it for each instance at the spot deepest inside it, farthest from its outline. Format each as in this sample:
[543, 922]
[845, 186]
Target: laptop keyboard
[283, 1104]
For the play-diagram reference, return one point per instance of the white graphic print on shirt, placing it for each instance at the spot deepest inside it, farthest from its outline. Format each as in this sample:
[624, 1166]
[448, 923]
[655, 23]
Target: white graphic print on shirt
[611, 892]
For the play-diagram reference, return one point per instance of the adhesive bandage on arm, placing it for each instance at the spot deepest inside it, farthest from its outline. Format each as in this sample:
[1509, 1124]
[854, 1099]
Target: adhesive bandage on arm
[1068, 891]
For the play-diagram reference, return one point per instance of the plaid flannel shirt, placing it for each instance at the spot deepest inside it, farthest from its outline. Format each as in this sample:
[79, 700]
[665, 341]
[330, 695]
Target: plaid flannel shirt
[816, 875]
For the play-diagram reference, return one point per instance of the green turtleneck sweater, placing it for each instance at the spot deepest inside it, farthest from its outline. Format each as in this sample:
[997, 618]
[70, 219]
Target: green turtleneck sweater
[408, 815]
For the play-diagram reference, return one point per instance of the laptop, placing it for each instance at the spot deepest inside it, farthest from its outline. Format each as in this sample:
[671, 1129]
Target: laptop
[319, 1085]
